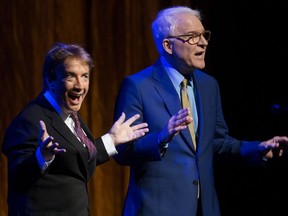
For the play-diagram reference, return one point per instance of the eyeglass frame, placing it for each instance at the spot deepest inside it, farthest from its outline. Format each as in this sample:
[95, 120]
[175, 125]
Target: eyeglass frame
[192, 35]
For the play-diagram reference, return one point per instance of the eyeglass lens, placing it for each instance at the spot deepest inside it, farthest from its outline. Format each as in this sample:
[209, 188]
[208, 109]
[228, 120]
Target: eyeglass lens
[196, 39]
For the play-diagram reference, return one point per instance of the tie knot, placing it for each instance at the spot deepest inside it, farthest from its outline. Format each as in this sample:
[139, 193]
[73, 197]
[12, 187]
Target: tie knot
[74, 116]
[184, 83]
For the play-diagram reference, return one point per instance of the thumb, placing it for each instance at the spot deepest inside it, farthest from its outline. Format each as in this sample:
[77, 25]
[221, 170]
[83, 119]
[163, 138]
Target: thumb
[43, 131]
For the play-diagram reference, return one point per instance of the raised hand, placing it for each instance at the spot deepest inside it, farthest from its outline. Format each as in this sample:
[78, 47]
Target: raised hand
[176, 123]
[47, 144]
[122, 132]
[274, 147]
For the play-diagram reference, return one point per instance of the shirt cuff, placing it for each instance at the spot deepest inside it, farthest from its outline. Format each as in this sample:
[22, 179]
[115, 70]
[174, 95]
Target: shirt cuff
[41, 161]
[109, 144]
[163, 147]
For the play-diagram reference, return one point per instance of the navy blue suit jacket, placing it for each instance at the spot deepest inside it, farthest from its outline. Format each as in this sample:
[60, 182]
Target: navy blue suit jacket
[168, 185]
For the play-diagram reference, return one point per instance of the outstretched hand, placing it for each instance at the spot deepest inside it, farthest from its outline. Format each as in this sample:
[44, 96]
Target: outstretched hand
[122, 132]
[274, 147]
[47, 144]
[176, 123]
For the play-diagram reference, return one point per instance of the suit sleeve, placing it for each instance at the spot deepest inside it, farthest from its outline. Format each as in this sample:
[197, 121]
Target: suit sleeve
[19, 145]
[227, 146]
[130, 101]
[102, 155]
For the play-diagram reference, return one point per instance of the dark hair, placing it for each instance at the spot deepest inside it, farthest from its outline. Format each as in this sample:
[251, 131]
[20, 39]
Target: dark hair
[56, 57]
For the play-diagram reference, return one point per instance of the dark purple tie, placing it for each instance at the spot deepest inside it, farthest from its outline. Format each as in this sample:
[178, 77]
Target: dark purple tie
[84, 139]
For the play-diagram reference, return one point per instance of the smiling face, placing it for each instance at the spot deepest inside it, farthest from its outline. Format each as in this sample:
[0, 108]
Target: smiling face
[182, 55]
[71, 84]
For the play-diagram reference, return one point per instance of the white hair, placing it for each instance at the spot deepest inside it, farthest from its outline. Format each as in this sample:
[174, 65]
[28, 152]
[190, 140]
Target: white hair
[166, 21]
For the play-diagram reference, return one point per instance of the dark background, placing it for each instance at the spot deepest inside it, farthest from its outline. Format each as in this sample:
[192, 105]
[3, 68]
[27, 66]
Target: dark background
[247, 54]
[248, 57]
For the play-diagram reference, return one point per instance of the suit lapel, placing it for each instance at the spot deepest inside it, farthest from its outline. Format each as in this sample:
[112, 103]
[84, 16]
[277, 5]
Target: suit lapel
[199, 87]
[170, 97]
[168, 93]
[59, 125]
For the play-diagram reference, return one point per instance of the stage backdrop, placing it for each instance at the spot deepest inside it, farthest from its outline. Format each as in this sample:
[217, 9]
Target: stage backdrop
[247, 54]
[117, 33]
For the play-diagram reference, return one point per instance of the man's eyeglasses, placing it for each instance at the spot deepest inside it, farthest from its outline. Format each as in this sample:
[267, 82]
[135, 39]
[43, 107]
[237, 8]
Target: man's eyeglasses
[193, 38]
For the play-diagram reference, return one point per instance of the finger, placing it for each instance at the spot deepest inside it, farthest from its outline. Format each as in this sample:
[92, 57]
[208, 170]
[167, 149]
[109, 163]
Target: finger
[139, 133]
[56, 150]
[139, 126]
[53, 147]
[280, 152]
[42, 130]
[47, 141]
[283, 139]
[280, 139]
[185, 120]
[121, 119]
[132, 119]
[184, 110]
[182, 113]
[42, 125]
[179, 128]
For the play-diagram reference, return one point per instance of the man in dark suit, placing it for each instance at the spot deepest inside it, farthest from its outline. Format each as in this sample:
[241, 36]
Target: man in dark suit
[169, 173]
[50, 161]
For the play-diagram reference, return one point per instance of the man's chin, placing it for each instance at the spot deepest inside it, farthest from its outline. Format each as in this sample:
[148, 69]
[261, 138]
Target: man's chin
[73, 108]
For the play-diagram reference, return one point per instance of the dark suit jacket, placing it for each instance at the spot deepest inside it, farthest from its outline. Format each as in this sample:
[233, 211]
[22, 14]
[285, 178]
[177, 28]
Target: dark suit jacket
[62, 189]
[168, 186]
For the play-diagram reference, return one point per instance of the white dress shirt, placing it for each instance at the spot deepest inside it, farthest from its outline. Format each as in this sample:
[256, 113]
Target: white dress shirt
[106, 138]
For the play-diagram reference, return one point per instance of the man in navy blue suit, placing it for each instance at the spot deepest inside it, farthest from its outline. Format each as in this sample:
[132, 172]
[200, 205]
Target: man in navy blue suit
[169, 175]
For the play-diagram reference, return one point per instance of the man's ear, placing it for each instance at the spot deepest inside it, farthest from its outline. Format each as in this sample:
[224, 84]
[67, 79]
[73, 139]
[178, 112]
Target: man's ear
[167, 46]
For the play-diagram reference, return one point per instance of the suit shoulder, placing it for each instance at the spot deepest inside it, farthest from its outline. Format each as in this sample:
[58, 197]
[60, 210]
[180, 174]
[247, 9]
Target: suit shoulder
[29, 114]
[141, 77]
[202, 76]
[142, 74]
